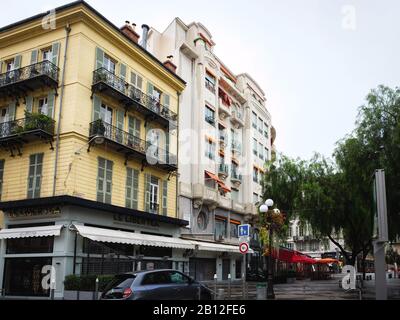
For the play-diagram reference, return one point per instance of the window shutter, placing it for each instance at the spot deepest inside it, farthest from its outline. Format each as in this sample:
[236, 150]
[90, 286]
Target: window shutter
[137, 128]
[147, 192]
[135, 189]
[122, 71]
[150, 89]
[55, 53]
[108, 186]
[165, 198]
[17, 62]
[166, 100]
[34, 56]
[50, 104]
[11, 110]
[99, 58]
[139, 82]
[35, 175]
[96, 107]
[100, 179]
[120, 119]
[29, 104]
[129, 187]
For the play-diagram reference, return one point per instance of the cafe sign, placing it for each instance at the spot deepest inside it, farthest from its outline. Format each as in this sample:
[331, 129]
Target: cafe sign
[33, 213]
[143, 222]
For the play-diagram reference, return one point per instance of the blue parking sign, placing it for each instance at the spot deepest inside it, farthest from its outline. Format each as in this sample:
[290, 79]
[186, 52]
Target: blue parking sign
[244, 230]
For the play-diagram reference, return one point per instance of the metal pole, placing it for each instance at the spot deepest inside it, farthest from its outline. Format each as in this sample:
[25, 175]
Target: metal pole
[244, 278]
[270, 287]
[96, 290]
[75, 248]
[199, 293]
[230, 286]
[215, 286]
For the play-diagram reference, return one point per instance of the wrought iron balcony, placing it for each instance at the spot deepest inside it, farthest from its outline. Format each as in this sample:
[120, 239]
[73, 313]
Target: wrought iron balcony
[131, 146]
[108, 83]
[14, 134]
[18, 82]
[154, 208]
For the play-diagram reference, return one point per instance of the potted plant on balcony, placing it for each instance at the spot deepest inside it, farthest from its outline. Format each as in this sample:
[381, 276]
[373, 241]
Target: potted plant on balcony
[98, 128]
[36, 121]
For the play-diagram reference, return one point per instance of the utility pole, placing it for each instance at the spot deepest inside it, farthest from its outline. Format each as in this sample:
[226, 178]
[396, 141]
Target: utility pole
[380, 234]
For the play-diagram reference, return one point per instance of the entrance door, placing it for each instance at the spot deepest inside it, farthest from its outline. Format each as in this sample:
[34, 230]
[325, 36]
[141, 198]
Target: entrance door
[23, 277]
[154, 194]
[106, 114]
[226, 268]
[202, 269]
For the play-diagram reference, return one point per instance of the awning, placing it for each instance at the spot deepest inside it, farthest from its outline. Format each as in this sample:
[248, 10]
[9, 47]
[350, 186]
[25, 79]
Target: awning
[216, 247]
[34, 232]
[224, 187]
[327, 261]
[213, 177]
[115, 236]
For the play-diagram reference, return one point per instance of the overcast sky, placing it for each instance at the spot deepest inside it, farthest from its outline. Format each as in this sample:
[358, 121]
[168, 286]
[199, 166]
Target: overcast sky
[315, 59]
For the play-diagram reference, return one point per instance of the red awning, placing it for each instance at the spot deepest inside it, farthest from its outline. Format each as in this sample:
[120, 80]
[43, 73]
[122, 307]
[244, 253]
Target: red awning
[213, 177]
[290, 256]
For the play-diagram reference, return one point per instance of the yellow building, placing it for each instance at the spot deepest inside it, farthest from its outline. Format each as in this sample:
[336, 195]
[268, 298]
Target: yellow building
[88, 130]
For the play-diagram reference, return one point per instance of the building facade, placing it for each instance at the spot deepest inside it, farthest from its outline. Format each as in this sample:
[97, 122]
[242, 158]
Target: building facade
[302, 238]
[88, 131]
[218, 185]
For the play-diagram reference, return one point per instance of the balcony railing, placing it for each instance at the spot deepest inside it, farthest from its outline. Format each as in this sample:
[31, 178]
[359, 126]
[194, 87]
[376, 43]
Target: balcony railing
[134, 145]
[236, 176]
[133, 96]
[30, 77]
[31, 125]
[154, 208]
[236, 147]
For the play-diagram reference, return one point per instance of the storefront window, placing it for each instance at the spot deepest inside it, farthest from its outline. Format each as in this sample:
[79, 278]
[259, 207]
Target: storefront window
[234, 230]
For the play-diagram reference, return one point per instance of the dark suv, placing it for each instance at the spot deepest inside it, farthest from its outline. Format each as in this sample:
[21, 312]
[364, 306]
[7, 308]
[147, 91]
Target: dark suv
[155, 285]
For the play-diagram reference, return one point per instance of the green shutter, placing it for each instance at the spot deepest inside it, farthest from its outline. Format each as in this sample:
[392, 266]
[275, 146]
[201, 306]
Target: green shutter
[147, 192]
[134, 126]
[29, 104]
[165, 198]
[139, 82]
[166, 100]
[35, 175]
[96, 107]
[50, 104]
[11, 110]
[17, 62]
[135, 191]
[122, 71]
[108, 186]
[34, 56]
[120, 119]
[100, 179]
[55, 53]
[99, 58]
[150, 89]
[137, 128]
[132, 188]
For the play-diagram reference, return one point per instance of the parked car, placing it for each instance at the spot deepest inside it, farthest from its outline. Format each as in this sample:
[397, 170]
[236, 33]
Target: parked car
[155, 285]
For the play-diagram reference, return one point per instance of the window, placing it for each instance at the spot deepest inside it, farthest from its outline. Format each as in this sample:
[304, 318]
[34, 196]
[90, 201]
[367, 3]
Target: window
[290, 231]
[154, 195]
[1, 176]
[261, 151]
[255, 175]
[301, 230]
[221, 226]
[43, 106]
[210, 116]
[178, 278]
[210, 82]
[234, 230]
[47, 54]
[210, 149]
[136, 80]
[132, 187]
[266, 130]
[260, 125]
[109, 64]
[106, 114]
[35, 175]
[10, 65]
[209, 182]
[255, 146]
[266, 154]
[104, 180]
[254, 121]
[156, 278]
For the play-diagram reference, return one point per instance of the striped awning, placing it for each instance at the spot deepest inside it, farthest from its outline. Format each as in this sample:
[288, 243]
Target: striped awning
[33, 232]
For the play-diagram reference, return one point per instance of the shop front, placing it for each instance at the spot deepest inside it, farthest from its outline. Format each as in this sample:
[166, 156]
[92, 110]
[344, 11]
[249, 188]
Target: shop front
[65, 235]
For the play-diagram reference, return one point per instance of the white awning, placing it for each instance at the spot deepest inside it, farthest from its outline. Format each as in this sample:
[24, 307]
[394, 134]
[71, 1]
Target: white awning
[216, 247]
[34, 232]
[114, 236]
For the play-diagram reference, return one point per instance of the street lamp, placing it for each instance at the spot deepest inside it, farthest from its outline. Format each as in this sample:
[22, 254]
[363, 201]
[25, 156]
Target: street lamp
[270, 287]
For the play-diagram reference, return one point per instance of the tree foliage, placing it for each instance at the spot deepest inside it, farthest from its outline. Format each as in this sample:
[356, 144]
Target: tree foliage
[337, 195]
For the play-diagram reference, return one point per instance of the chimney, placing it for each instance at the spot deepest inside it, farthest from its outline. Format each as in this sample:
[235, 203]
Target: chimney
[129, 31]
[170, 65]
[146, 30]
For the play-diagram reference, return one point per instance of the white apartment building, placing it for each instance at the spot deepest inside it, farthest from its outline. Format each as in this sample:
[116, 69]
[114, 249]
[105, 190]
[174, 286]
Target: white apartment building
[216, 159]
[302, 238]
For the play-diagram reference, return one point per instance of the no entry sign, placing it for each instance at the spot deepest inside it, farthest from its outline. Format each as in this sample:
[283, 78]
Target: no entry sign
[244, 248]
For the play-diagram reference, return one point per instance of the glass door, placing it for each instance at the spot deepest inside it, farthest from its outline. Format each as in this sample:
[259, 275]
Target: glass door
[4, 122]
[106, 114]
[154, 195]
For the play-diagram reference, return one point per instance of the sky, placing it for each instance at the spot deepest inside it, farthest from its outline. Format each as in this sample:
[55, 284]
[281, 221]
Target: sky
[315, 59]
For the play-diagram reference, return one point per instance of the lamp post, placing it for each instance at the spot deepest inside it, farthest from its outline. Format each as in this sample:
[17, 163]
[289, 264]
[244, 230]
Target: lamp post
[270, 286]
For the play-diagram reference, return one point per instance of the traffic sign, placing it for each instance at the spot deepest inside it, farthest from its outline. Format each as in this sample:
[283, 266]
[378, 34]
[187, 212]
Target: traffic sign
[244, 230]
[244, 248]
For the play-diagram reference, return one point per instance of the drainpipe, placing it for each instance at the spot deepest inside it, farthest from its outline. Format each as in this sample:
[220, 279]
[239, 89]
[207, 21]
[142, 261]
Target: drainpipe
[177, 159]
[67, 32]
